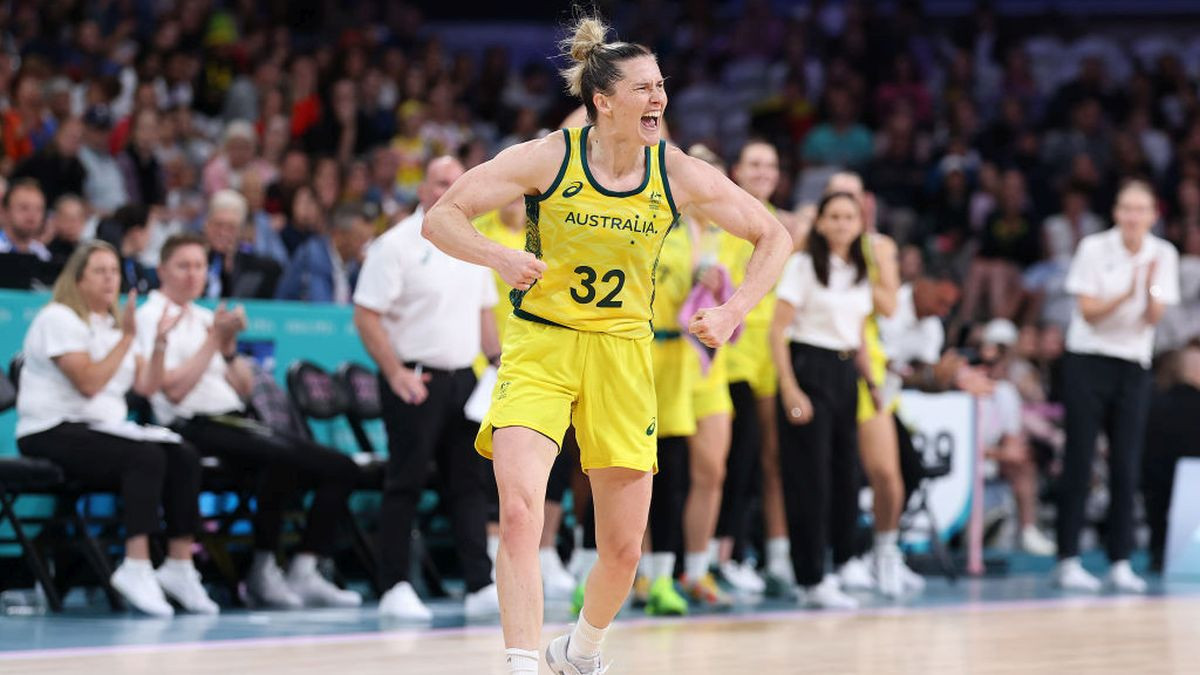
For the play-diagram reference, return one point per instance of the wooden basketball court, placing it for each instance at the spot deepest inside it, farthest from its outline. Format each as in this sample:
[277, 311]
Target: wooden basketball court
[1062, 635]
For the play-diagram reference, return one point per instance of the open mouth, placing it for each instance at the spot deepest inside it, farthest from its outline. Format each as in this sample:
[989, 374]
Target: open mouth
[650, 122]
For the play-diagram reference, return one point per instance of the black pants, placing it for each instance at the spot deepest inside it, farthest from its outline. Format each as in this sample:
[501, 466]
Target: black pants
[912, 464]
[1172, 433]
[818, 462]
[284, 466]
[418, 434]
[146, 475]
[1112, 394]
[669, 495]
[741, 466]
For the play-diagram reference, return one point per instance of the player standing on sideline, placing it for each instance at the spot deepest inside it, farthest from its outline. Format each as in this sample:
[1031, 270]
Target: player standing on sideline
[577, 348]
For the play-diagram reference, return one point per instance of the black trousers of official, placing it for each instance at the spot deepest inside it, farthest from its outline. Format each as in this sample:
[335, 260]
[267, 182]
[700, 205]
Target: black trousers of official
[1113, 395]
[741, 466]
[818, 462]
[146, 475]
[285, 466]
[1172, 433]
[437, 430]
[669, 495]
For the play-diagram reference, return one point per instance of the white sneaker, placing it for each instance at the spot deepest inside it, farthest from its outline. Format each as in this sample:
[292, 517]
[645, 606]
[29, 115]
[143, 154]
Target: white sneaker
[135, 581]
[855, 575]
[401, 602]
[266, 586]
[913, 582]
[181, 582]
[483, 602]
[827, 595]
[1069, 575]
[741, 579]
[1033, 541]
[755, 583]
[556, 658]
[557, 582]
[315, 590]
[1123, 580]
[888, 564]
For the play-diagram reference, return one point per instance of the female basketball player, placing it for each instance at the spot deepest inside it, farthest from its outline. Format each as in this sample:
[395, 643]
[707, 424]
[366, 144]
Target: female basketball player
[577, 348]
[752, 386]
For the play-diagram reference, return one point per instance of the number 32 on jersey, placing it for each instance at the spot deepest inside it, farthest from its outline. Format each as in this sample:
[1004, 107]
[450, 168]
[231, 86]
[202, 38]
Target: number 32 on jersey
[614, 278]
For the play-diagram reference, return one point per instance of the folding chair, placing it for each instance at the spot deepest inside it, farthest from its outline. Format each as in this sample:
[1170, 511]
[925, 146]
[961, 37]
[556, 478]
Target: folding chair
[314, 394]
[931, 470]
[67, 527]
[360, 385]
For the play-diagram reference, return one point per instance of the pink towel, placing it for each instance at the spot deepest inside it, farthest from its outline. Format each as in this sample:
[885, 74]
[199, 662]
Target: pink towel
[702, 298]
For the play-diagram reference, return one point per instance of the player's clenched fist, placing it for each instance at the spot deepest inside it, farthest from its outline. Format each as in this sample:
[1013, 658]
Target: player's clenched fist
[520, 269]
[714, 325]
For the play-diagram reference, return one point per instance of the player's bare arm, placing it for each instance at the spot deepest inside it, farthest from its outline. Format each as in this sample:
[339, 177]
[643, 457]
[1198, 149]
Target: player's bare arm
[524, 169]
[712, 197]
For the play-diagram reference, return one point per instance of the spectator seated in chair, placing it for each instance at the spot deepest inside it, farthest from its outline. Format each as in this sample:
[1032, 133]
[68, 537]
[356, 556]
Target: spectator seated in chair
[82, 354]
[204, 392]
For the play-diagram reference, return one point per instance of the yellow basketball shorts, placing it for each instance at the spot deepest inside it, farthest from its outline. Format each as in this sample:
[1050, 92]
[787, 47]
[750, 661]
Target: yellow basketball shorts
[710, 394]
[674, 374]
[750, 361]
[553, 377]
[878, 364]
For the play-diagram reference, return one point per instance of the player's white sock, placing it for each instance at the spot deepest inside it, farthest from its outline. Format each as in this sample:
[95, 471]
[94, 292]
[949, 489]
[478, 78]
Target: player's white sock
[695, 566]
[646, 565]
[493, 545]
[584, 645]
[779, 554]
[521, 660]
[663, 565]
[886, 540]
[714, 549]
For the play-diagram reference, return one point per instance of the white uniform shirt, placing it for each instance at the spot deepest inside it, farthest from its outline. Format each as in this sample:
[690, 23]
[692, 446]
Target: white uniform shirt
[430, 301]
[212, 395]
[1103, 268]
[829, 317]
[907, 339]
[46, 397]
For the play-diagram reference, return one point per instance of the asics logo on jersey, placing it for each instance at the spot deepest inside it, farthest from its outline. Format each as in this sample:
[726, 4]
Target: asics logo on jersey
[572, 189]
[653, 424]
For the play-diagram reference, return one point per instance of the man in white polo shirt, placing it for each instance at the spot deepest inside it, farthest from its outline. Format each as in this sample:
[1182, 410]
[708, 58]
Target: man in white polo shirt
[423, 317]
[204, 387]
[1122, 280]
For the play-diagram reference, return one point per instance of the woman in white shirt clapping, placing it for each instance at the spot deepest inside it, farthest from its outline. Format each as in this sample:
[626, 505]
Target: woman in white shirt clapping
[79, 362]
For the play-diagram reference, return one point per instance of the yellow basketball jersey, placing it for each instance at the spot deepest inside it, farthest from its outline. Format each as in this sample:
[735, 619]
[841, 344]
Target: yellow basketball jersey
[491, 226]
[672, 279]
[600, 246]
[734, 253]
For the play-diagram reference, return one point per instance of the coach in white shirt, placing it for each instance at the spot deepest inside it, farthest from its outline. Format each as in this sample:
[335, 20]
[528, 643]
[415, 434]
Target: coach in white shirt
[824, 300]
[423, 317]
[1122, 280]
[202, 397]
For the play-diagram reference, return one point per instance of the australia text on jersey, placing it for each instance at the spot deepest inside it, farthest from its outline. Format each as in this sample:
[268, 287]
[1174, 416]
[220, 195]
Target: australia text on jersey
[634, 224]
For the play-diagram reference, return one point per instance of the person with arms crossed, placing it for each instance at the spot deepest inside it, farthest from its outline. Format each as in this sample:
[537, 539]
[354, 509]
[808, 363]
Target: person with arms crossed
[423, 317]
[1122, 280]
[577, 348]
